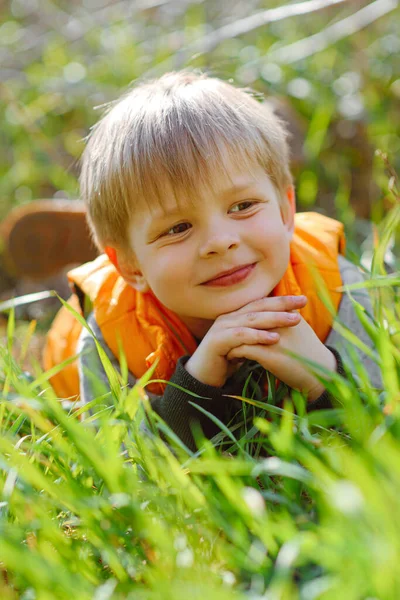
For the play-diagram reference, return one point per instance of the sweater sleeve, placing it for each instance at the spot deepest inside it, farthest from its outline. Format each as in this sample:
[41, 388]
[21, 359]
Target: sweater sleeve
[338, 344]
[174, 405]
[180, 415]
[347, 316]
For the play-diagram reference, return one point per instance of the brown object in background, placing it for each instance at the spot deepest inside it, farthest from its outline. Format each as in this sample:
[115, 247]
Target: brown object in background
[43, 237]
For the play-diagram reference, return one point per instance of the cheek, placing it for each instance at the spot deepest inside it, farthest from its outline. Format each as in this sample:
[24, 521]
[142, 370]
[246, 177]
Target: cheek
[167, 272]
[272, 237]
[274, 245]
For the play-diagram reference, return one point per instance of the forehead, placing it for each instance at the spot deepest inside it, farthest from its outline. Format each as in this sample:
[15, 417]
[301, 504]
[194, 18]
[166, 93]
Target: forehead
[223, 182]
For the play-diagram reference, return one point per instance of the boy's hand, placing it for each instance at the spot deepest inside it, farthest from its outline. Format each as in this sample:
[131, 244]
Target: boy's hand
[248, 327]
[301, 340]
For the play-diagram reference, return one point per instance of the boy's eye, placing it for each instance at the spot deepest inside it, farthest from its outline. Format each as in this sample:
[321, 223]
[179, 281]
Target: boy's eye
[241, 206]
[179, 228]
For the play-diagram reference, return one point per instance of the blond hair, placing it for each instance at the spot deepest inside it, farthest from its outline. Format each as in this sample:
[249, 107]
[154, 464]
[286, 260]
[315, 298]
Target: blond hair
[177, 130]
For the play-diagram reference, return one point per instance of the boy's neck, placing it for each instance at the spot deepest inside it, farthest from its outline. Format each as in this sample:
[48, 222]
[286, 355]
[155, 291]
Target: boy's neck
[197, 327]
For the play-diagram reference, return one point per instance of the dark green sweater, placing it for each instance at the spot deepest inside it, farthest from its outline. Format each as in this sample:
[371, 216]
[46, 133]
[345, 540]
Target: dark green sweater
[174, 406]
[179, 414]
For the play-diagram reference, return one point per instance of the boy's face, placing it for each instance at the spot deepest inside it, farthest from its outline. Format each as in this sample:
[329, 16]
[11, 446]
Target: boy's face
[182, 252]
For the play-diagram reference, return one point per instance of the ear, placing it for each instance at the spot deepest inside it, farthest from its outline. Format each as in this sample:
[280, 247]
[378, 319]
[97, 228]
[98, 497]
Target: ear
[128, 269]
[288, 209]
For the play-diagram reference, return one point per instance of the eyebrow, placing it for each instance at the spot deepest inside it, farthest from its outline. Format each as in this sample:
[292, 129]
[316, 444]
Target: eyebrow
[166, 214]
[176, 210]
[236, 189]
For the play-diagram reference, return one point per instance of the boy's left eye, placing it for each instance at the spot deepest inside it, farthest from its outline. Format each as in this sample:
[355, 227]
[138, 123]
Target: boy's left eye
[241, 206]
[179, 228]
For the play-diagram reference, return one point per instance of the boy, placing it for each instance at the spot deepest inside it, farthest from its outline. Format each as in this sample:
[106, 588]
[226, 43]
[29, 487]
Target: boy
[190, 197]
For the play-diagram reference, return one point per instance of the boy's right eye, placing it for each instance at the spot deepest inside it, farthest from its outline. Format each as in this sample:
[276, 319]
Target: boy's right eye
[179, 228]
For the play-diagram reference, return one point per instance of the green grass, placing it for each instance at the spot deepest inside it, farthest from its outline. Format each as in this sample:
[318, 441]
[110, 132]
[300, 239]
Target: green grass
[284, 505]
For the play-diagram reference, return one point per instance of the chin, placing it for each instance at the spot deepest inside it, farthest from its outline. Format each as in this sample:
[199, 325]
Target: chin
[237, 301]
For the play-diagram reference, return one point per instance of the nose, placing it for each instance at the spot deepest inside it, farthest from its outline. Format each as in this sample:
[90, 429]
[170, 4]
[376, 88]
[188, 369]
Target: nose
[219, 244]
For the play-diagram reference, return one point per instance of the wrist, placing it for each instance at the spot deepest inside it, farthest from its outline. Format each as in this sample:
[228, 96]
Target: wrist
[205, 376]
[324, 401]
[331, 363]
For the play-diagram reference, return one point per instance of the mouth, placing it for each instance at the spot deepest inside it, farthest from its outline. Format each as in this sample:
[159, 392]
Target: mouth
[231, 277]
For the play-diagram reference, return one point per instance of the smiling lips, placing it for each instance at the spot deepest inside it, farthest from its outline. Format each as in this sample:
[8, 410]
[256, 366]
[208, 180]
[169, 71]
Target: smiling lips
[231, 277]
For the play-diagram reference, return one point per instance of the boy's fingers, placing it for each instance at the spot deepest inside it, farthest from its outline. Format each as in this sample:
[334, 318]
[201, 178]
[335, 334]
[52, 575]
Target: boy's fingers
[239, 336]
[251, 352]
[238, 354]
[274, 303]
[264, 320]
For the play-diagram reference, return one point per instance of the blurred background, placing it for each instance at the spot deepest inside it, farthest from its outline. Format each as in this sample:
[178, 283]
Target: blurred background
[331, 69]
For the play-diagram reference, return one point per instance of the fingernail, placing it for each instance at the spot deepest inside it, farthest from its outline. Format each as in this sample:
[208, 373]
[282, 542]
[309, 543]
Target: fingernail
[293, 316]
[274, 336]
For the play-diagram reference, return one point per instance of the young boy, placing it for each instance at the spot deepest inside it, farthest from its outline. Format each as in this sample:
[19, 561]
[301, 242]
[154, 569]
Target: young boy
[206, 265]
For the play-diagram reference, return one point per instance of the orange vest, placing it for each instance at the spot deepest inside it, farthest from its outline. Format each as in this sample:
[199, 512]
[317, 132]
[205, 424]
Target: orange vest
[147, 330]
